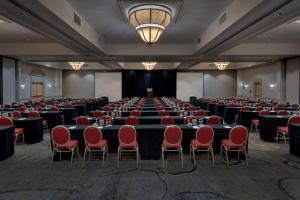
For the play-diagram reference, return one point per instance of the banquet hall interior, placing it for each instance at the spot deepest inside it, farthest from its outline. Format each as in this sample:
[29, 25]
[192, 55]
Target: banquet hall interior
[150, 99]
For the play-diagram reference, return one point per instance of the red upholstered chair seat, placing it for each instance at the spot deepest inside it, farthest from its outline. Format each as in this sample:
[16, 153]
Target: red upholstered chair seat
[255, 121]
[168, 145]
[99, 145]
[231, 145]
[19, 131]
[283, 129]
[198, 145]
[44, 122]
[131, 145]
[68, 145]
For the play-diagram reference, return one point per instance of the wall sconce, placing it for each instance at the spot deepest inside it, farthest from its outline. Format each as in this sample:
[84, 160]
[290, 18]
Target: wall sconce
[22, 86]
[245, 86]
[272, 85]
[50, 85]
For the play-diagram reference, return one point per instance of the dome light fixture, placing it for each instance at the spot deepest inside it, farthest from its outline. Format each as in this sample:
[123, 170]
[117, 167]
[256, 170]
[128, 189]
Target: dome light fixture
[76, 65]
[149, 65]
[150, 21]
[222, 65]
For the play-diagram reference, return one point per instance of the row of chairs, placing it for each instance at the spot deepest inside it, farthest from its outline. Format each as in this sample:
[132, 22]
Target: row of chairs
[94, 142]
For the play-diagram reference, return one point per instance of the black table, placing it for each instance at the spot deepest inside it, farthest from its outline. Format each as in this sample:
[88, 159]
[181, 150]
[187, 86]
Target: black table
[7, 146]
[148, 113]
[211, 108]
[150, 138]
[81, 109]
[149, 108]
[69, 114]
[294, 140]
[245, 117]
[268, 126]
[148, 120]
[33, 128]
[230, 113]
[219, 109]
[53, 118]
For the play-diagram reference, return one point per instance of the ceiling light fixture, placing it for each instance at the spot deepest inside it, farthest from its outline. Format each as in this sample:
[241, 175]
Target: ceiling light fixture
[76, 65]
[150, 21]
[221, 65]
[149, 65]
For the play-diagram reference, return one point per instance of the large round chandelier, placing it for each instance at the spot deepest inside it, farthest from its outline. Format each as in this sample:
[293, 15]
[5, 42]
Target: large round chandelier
[221, 65]
[76, 65]
[149, 65]
[150, 21]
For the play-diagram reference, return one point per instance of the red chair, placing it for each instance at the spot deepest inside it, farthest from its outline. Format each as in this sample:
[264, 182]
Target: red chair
[203, 142]
[22, 108]
[277, 108]
[132, 120]
[284, 130]
[255, 122]
[54, 109]
[98, 113]
[167, 120]
[191, 108]
[107, 120]
[39, 109]
[107, 108]
[259, 108]
[213, 120]
[136, 113]
[16, 114]
[62, 143]
[159, 107]
[94, 143]
[7, 106]
[238, 137]
[200, 113]
[128, 142]
[35, 114]
[138, 107]
[82, 120]
[163, 113]
[172, 142]
[189, 120]
[282, 112]
[68, 105]
[18, 133]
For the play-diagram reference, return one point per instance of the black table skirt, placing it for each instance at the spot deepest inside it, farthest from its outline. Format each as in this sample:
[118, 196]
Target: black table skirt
[53, 118]
[230, 113]
[148, 120]
[81, 109]
[7, 146]
[33, 129]
[219, 109]
[69, 114]
[268, 126]
[149, 108]
[211, 108]
[150, 138]
[148, 113]
[294, 133]
[245, 117]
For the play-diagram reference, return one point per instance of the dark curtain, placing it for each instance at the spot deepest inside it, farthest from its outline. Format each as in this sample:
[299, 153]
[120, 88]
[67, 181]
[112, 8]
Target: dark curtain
[136, 82]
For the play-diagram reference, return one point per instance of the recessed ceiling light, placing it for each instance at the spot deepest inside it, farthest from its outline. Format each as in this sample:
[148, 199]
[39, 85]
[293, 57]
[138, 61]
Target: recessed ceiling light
[23, 14]
[278, 14]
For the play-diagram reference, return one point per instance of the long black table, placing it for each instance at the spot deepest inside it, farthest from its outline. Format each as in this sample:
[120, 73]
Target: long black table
[33, 128]
[148, 108]
[245, 117]
[7, 146]
[148, 120]
[53, 118]
[294, 140]
[150, 138]
[268, 126]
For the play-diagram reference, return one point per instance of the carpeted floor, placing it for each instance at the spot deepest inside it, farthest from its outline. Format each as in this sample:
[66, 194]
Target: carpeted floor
[272, 174]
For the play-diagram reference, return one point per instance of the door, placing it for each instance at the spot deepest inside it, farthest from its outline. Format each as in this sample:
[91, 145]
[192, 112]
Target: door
[37, 91]
[257, 90]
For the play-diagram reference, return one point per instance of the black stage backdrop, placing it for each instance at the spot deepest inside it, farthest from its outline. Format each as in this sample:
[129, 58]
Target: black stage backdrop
[136, 82]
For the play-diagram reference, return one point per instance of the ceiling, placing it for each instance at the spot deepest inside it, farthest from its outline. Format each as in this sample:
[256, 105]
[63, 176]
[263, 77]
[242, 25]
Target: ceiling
[48, 37]
[107, 19]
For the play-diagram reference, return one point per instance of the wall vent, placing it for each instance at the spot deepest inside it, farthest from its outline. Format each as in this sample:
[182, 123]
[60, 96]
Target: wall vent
[77, 19]
[222, 19]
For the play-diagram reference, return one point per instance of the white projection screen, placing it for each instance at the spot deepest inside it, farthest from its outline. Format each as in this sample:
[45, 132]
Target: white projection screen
[189, 84]
[108, 84]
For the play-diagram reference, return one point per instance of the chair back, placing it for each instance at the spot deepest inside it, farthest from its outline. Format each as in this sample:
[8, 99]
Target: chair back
[205, 135]
[54, 109]
[6, 121]
[277, 108]
[127, 134]
[97, 113]
[167, 120]
[39, 108]
[107, 108]
[200, 113]
[60, 135]
[191, 107]
[132, 120]
[159, 107]
[294, 119]
[264, 113]
[188, 120]
[244, 108]
[22, 108]
[7, 106]
[92, 135]
[33, 114]
[16, 114]
[238, 135]
[173, 134]
[163, 113]
[213, 120]
[136, 113]
[107, 120]
[68, 105]
[259, 108]
[282, 112]
[82, 120]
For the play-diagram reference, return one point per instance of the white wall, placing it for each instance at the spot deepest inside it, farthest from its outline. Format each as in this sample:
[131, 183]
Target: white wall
[270, 73]
[189, 84]
[108, 84]
[292, 80]
[220, 83]
[51, 77]
[9, 80]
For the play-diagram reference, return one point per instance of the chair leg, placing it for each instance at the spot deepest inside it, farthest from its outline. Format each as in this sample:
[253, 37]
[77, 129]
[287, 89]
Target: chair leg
[53, 152]
[221, 150]
[23, 136]
[251, 127]
[118, 157]
[194, 156]
[238, 155]
[59, 155]
[137, 157]
[226, 154]
[163, 157]
[256, 127]
[103, 155]
[72, 158]
[190, 151]
[212, 156]
[246, 157]
[284, 138]
[181, 155]
[84, 154]
[277, 136]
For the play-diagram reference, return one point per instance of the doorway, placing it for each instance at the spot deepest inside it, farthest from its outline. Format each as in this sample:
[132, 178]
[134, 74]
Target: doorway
[257, 90]
[37, 91]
